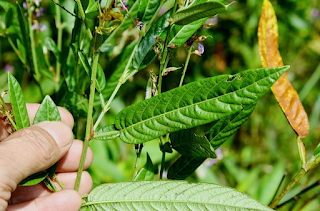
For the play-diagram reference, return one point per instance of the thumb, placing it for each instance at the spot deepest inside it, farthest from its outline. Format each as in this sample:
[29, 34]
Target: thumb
[31, 150]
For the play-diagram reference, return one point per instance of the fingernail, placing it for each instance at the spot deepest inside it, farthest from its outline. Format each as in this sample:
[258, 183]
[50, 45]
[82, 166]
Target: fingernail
[61, 132]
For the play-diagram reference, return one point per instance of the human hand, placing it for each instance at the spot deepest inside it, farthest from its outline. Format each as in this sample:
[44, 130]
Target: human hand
[34, 149]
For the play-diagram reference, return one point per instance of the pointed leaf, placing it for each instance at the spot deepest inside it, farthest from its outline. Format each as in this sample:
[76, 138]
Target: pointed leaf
[34, 179]
[145, 53]
[18, 104]
[194, 104]
[222, 129]
[169, 195]
[106, 133]
[147, 9]
[47, 111]
[92, 10]
[187, 143]
[51, 46]
[285, 94]
[198, 11]
[147, 172]
[184, 167]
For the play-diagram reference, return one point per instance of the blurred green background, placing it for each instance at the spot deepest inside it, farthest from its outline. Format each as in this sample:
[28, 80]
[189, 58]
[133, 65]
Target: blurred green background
[255, 160]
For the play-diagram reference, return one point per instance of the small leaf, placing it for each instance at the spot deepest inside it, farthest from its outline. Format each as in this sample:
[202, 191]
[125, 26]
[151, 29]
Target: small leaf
[147, 172]
[22, 51]
[198, 11]
[100, 80]
[194, 104]
[145, 53]
[106, 133]
[34, 179]
[187, 143]
[169, 195]
[184, 167]
[285, 94]
[47, 111]
[18, 103]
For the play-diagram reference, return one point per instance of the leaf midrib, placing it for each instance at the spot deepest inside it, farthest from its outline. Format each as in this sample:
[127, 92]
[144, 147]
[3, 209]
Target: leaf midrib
[185, 107]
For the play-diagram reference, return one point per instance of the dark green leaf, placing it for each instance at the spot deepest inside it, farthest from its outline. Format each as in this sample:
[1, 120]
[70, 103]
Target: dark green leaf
[18, 104]
[184, 167]
[222, 129]
[22, 51]
[145, 53]
[194, 104]
[92, 10]
[317, 151]
[51, 46]
[100, 80]
[47, 111]
[198, 11]
[6, 5]
[187, 143]
[9, 17]
[147, 9]
[106, 133]
[170, 195]
[147, 172]
[76, 104]
[34, 179]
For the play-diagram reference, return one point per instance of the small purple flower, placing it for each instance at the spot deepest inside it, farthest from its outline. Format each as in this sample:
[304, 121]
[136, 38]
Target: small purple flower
[189, 42]
[126, 6]
[315, 13]
[42, 27]
[35, 25]
[140, 24]
[8, 68]
[38, 12]
[25, 5]
[200, 48]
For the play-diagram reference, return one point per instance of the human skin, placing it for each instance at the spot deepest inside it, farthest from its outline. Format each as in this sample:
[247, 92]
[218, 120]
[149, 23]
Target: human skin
[34, 149]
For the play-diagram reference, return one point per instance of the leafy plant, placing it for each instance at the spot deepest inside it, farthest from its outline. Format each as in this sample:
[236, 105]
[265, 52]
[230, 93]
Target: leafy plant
[110, 44]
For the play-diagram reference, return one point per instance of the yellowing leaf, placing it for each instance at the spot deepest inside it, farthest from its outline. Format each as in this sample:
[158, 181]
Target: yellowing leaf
[285, 94]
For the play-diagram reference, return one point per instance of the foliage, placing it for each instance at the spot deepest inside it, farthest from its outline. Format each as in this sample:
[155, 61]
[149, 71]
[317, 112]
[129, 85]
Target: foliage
[116, 67]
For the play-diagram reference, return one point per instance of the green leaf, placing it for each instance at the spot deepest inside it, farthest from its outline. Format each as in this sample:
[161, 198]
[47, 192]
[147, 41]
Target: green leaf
[34, 179]
[184, 167]
[147, 9]
[317, 151]
[169, 195]
[147, 172]
[100, 80]
[47, 111]
[106, 133]
[187, 143]
[22, 51]
[76, 104]
[194, 104]
[145, 53]
[9, 17]
[51, 46]
[18, 103]
[92, 10]
[222, 129]
[198, 11]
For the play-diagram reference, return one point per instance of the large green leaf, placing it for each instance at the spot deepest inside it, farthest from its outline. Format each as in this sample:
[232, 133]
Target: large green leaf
[76, 104]
[106, 133]
[198, 11]
[145, 53]
[187, 143]
[147, 172]
[222, 129]
[194, 104]
[184, 167]
[147, 9]
[169, 195]
[18, 103]
[47, 111]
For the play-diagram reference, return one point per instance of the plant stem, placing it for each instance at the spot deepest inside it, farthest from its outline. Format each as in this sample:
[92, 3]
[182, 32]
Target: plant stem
[83, 17]
[59, 45]
[89, 119]
[185, 66]
[163, 160]
[33, 48]
[6, 112]
[16, 51]
[162, 68]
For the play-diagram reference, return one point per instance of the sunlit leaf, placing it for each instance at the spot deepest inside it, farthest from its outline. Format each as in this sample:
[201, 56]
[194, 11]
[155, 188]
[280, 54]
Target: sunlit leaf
[184, 167]
[198, 11]
[47, 111]
[187, 143]
[194, 104]
[147, 171]
[169, 195]
[92, 10]
[18, 103]
[147, 9]
[285, 94]
[34, 179]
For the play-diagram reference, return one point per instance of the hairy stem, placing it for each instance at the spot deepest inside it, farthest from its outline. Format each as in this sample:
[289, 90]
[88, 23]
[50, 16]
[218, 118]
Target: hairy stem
[89, 119]
[185, 66]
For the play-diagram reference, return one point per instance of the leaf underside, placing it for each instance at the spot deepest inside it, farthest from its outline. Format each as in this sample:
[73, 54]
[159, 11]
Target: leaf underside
[284, 92]
[194, 104]
[169, 195]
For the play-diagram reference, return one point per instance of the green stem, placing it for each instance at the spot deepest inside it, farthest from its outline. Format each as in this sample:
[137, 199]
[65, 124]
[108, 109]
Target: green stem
[163, 160]
[83, 17]
[139, 150]
[59, 44]
[162, 68]
[185, 66]
[7, 113]
[89, 119]
[33, 46]
[16, 51]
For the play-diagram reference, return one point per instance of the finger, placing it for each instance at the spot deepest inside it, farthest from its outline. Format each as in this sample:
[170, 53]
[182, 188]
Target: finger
[31, 150]
[70, 162]
[66, 200]
[27, 193]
